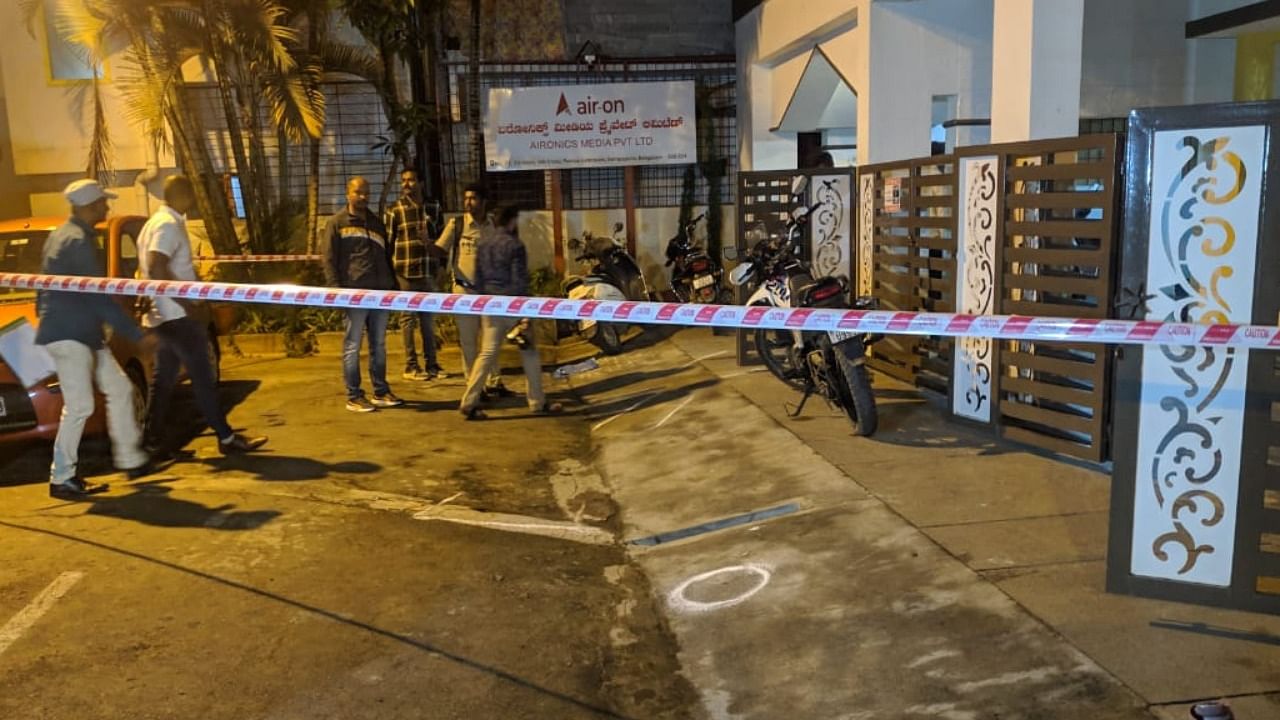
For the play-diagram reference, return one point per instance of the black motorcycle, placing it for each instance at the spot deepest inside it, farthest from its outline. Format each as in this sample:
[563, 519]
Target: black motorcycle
[831, 364]
[695, 276]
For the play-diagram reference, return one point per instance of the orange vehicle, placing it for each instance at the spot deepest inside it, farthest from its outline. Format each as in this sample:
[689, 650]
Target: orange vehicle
[32, 413]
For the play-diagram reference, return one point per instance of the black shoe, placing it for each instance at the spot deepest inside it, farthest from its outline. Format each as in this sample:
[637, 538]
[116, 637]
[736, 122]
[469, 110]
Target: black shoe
[149, 467]
[241, 444]
[76, 489]
[497, 391]
[474, 413]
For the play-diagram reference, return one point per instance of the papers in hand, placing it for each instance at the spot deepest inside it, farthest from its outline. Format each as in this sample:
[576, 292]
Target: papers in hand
[30, 362]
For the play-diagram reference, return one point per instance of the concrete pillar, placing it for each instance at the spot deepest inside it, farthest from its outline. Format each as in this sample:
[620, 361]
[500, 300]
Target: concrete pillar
[1255, 66]
[1035, 77]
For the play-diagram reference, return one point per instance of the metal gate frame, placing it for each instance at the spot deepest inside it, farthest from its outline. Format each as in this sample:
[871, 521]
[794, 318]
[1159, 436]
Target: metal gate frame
[1199, 435]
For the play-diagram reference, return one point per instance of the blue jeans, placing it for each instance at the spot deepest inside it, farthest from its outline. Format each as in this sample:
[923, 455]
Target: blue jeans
[358, 321]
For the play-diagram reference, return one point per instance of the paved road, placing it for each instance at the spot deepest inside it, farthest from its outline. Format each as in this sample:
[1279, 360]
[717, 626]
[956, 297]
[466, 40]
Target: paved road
[340, 575]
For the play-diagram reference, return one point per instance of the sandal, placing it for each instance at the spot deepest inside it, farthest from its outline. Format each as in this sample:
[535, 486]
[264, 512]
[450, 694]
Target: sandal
[549, 408]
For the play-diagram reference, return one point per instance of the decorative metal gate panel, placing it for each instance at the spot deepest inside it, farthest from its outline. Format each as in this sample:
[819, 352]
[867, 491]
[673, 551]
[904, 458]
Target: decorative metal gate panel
[1194, 512]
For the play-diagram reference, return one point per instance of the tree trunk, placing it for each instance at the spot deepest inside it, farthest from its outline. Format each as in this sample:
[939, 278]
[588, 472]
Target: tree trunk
[219, 55]
[260, 172]
[193, 156]
[313, 195]
[392, 108]
[283, 173]
[316, 20]
[473, 96]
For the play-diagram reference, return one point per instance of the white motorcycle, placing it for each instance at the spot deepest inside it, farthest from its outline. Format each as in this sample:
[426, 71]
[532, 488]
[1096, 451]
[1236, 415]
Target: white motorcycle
[613, 275]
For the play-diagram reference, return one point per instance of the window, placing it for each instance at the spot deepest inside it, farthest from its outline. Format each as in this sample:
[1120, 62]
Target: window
[67, 61]
[20, 254]
[128, 256]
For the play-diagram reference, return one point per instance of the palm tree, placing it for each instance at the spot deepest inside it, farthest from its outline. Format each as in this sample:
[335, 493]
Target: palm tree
[254, 55]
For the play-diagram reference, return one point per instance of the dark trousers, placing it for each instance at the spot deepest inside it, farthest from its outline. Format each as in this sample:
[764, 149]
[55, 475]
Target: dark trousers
[422, 323]
[183, 343]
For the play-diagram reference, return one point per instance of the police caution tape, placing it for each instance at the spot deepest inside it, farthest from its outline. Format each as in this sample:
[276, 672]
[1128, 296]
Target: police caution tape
[1007, 327]
[259, 258]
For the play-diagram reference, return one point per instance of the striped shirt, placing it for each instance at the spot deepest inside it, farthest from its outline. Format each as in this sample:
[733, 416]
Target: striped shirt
[407, 226]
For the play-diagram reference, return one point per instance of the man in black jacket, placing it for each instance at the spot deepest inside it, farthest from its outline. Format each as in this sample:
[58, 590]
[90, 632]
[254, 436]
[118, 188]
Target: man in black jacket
[502, 268]
[356, 255]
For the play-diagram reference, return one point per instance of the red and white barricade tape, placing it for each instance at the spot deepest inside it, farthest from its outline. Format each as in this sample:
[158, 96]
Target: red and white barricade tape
[259, 258]
[1006, 327]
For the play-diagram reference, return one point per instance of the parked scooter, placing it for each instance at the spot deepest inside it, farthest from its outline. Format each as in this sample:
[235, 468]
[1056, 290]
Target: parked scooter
[695, 276]
[613, 275]
[831, 364]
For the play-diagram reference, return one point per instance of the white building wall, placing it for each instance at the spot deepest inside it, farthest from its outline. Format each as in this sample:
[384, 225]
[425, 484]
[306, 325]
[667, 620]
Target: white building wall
[897, 57]
[921, 50]
[1134, 55]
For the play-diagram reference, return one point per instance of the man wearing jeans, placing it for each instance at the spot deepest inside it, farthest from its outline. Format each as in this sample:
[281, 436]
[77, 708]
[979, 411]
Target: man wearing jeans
[356, 256]
[407, 226]
[71, 330]
[164, 253]
[502, 268]
[459, 240]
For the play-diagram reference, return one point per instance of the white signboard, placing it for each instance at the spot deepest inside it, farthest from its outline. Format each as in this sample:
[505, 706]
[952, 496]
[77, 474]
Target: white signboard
[1206, 187]
[577, 126]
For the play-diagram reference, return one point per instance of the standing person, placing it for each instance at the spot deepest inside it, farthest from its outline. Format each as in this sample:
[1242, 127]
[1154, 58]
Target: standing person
[71, 330]
[356, 256]
[459, 240]
[164, 253]
[502, 268]
[407, 225]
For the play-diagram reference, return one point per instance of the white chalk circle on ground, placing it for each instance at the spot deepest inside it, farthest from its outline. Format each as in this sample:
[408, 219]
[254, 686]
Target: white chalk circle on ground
[678, 598]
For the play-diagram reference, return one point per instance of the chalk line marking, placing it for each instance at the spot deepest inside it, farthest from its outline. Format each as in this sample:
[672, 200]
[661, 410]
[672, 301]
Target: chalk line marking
[672, 414]
[752, 371]
[647, 397]
[677, 600]
[712, 355]
[29, 615]
[563, 530]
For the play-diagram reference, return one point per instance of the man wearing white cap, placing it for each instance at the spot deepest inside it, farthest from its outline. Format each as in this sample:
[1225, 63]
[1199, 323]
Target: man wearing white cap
[71, 329]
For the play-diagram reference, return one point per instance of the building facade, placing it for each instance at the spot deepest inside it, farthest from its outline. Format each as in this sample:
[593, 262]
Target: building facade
[882, 80]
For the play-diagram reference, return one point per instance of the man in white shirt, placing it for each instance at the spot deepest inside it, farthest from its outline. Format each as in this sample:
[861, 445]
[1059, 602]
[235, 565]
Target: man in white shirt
[164, 253]
[459, 241]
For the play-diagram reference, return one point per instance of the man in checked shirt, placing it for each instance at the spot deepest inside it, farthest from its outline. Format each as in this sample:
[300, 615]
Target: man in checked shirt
[407, 227]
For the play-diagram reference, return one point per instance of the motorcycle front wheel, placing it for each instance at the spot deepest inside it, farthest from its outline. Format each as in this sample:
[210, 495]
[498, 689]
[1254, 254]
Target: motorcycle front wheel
[774, 348]
[606, 338]
[858, 399]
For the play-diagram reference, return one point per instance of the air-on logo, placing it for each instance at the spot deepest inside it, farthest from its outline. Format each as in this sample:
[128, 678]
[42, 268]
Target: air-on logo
[590, 106]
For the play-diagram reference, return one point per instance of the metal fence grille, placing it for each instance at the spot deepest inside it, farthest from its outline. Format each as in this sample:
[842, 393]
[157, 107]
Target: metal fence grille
[354, 126]
[594, 188]
[1059, 250]
[913, 263]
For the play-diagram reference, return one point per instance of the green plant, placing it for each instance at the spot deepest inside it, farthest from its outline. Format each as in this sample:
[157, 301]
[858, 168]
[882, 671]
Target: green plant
[545, 282]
